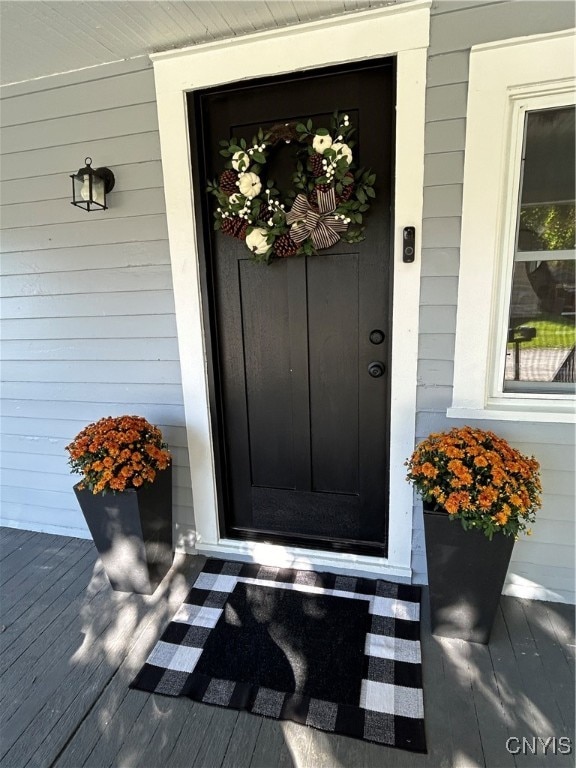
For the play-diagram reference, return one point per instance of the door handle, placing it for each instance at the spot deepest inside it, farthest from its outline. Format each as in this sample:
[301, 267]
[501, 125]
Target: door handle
[376, 369]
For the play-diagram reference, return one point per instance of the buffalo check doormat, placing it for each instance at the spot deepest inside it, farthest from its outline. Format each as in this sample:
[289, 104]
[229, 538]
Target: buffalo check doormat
[338, 653]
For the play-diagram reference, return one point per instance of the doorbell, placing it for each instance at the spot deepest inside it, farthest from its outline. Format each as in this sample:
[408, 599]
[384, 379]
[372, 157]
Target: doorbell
[408, 245]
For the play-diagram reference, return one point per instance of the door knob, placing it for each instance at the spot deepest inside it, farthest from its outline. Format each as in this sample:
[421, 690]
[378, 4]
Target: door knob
[376, 370]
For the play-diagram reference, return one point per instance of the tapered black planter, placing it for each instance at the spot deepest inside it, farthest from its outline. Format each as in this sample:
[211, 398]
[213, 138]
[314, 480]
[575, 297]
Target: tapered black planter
[466, 573]
[132, 531]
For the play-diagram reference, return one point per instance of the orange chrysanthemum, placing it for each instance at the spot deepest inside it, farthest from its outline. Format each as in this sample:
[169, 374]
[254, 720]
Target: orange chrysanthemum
[477, 477]
[117, 453]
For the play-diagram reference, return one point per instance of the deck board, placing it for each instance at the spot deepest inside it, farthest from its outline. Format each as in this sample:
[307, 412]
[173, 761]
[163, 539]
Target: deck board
[72, 646]
[11, 540]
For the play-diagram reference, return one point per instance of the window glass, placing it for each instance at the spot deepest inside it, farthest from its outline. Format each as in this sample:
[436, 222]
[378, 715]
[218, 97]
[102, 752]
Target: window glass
[541, 330]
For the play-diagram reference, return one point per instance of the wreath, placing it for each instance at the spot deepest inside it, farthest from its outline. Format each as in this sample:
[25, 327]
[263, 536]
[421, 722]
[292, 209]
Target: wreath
[327, 203]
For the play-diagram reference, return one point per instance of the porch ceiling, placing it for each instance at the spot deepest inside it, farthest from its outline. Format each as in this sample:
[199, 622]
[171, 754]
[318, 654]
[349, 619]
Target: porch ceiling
[40, 37]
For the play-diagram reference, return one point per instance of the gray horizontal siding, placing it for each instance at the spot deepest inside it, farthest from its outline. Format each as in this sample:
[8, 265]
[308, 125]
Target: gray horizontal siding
[88, 325]
[547, 558]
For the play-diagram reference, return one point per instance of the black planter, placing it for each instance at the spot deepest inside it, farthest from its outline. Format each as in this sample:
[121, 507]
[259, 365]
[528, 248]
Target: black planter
[132, 531]
[466, 573]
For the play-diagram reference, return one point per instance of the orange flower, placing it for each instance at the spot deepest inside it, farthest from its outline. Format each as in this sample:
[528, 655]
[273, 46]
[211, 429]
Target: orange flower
[429, 470]
[109, 452]
[478, 477]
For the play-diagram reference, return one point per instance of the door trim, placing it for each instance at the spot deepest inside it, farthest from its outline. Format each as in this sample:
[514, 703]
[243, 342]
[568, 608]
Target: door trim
[401, 31]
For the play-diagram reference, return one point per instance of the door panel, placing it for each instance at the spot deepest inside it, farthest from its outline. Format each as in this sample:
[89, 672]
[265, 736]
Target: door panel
[303, 427]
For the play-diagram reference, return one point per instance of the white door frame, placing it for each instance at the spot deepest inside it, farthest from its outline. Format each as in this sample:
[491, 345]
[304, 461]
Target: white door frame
[401, 31]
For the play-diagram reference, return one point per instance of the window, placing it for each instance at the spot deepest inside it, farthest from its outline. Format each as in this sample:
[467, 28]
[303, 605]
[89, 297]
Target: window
[541, 331]
[515, 332]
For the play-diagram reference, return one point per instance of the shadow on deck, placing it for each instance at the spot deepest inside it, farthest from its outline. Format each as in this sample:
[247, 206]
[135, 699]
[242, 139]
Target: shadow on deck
[70, 646]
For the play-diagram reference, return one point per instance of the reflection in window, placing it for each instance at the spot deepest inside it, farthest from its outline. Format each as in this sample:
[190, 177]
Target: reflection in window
[542, 334]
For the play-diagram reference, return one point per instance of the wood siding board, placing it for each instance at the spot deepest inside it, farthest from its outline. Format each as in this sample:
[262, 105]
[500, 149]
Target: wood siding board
[55, 457]
[486, 23]
[100, 94]
[440, 290]
[113, 69]
[83, 328]
[446, 102]
[436, 372]
[433, 398]
[68, 158]
[97, 229]
[444, 200]
[142, 202]
[121, 279]
[440, 262]
[93, 257]
[108, 124]
[515, 432]
[92, 372]
[445, 136]
[444, 168]
[530, 550]
[436, 346]
[125, 393]
[438, 319]
[448, 69]
[66, 429]
[118, 304]
[172, 415]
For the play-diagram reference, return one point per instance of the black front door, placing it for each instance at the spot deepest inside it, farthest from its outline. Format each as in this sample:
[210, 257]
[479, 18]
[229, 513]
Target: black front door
[301, 424]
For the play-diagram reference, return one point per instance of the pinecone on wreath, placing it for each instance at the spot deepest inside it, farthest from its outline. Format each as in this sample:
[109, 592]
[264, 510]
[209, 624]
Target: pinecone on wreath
[265, 212]
[228, 181]
[346, 191]
[235, 227]
[241, 228]
[316, 165]
[284, 246]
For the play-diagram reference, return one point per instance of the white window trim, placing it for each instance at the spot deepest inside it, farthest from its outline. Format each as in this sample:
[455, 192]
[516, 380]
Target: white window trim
[505, 79]
[399, 30]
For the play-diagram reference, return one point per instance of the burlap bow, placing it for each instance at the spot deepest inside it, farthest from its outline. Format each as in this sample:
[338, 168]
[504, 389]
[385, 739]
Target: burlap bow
[320, 225]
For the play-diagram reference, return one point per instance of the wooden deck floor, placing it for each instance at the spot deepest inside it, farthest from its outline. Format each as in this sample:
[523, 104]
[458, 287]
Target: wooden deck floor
[69, 647]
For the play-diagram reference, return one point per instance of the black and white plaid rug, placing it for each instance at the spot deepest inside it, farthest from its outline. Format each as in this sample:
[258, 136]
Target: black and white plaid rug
[338, 653]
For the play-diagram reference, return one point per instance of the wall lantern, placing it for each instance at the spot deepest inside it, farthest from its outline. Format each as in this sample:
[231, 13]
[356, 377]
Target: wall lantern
[90, 186]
